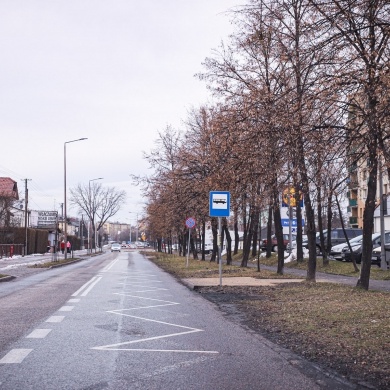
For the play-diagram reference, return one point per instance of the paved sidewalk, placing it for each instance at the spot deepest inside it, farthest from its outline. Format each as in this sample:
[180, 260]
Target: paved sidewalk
[381, 285]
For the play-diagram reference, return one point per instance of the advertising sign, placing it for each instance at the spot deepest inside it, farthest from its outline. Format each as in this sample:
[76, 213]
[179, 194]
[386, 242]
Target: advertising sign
[46, 219]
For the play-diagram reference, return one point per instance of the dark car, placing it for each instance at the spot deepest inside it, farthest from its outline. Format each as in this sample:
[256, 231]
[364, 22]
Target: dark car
[357, 248]
[274, 245]
[376, 255]
[336, 237]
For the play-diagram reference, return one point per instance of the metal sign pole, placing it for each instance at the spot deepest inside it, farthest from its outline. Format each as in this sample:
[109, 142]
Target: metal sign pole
[219, 206]
[220, 250]
[188, 247]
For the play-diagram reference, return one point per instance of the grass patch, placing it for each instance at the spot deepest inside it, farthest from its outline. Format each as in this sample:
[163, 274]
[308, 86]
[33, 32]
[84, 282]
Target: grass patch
[177, 265]
[341, 268]
[334, 267]
[54, 263]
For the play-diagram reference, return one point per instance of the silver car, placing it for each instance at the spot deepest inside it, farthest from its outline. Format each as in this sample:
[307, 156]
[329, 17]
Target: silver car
[115, 247]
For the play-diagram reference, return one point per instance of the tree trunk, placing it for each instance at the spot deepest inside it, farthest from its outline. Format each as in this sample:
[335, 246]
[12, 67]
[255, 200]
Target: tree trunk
[203, 235]
[236, 234]
[346, 236]
[299, 226]
[193, 248]
[247, 241]
[214, 229]
[319, 218]
[229, 244]
[368, 220]
[278, 233]
[269, 232]
[256, 217]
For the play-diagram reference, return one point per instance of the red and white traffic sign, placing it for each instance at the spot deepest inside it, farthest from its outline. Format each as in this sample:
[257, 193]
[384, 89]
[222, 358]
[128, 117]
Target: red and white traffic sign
[190, 222]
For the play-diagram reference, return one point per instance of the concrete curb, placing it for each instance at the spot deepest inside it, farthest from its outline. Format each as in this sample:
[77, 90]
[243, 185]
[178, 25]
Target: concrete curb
[64, 264]
[194, 283]
[7, 278]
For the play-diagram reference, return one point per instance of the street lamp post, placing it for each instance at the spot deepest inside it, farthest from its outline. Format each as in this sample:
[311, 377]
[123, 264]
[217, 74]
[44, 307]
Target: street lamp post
[136, 227]
[90, 214]
[65, 222]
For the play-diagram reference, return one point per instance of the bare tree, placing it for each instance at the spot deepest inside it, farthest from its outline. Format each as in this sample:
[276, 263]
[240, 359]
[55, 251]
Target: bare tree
[361, 31]
[99, 203]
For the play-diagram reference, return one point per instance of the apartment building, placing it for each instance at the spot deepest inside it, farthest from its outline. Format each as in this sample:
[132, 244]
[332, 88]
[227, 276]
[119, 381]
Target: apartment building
[357, 194]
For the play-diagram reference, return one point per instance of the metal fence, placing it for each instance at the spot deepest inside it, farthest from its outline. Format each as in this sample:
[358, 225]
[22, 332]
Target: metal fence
[9, 250]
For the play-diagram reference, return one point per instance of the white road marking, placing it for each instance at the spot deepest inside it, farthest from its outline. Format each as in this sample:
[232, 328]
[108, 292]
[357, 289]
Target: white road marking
[38, 334]
[154, 350]
[15, 356]
[151, 290]
[74, 300]
[66, 308]
[91, 286]
[55, 319]
[165, 303]
[84, 286]
[174, 367]
[109, 266]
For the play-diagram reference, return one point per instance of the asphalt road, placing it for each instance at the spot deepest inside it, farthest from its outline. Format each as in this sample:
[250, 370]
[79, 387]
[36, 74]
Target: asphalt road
[117, 321]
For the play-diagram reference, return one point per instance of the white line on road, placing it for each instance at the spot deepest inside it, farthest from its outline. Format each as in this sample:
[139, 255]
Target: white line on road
[55, 319]
[15, 356]
[109, 266]
[84, 286]
[66, 308]
[38, 334]
[91, 286]
[74, 300]
[154, 350]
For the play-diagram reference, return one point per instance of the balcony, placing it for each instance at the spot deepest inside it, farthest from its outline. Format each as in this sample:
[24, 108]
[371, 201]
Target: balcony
[353, 220]
[353, 202]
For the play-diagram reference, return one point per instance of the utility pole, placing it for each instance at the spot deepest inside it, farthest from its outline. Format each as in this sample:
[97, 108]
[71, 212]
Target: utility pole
[25, 214]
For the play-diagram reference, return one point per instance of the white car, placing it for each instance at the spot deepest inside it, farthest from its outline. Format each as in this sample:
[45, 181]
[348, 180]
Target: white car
[115, 247]
[337, 251]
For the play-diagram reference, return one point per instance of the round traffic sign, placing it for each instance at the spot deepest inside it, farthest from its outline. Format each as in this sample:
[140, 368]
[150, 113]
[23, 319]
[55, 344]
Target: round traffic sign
[190, 222]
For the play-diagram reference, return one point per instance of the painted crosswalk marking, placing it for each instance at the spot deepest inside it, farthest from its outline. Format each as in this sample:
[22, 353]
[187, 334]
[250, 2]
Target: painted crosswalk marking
[15, 356]
[55, 319]
[38, 334]
[66, 308]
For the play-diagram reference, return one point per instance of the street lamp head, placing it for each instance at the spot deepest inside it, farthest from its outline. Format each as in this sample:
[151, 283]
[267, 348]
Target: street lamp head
[75, 140]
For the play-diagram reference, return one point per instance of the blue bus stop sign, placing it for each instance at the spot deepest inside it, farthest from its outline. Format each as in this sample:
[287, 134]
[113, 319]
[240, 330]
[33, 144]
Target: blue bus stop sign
[219, 204]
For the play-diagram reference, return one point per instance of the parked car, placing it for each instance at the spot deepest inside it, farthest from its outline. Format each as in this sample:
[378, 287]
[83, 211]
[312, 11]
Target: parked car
[274, 245]
[357, 247]
[336, 237]
[336, 252]
[376, 255]
[115, 247]
[294, 242]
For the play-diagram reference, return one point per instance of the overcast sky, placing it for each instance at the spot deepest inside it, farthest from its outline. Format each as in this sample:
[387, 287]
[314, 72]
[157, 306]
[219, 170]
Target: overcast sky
[116, 72]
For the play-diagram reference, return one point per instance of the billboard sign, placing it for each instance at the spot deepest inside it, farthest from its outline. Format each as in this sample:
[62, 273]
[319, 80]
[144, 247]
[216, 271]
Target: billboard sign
[46, 219]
